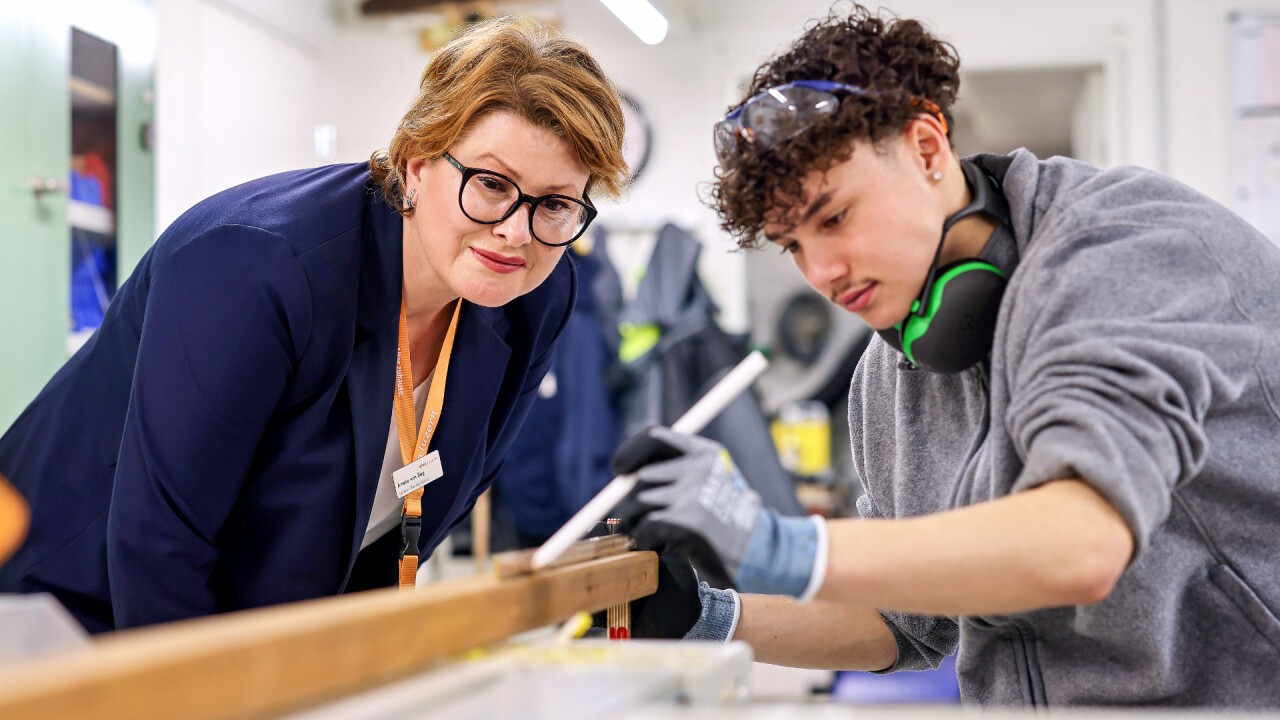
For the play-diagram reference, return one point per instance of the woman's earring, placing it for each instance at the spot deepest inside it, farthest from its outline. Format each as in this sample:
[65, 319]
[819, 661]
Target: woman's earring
[409, 201]
[937, 175]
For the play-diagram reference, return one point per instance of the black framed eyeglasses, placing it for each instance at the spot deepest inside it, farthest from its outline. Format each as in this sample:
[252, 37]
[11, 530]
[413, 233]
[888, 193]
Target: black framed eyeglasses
[489, 198]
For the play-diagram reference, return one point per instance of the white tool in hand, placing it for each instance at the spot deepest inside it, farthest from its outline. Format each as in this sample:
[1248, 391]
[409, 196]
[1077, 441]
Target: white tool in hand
[691, 423]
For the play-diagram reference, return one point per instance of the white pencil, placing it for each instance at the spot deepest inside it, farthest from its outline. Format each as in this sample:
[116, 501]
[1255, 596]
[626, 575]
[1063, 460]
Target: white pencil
[691, 423]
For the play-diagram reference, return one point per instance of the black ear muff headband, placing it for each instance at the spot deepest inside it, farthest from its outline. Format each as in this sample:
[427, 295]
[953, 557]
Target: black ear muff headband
[953, 320]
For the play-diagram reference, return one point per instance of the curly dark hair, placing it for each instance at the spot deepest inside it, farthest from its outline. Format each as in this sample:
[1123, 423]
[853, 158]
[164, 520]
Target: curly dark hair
[897, 61]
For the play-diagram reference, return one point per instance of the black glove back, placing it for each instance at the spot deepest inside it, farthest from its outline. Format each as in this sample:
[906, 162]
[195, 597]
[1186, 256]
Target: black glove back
[642, 449]
[671, 611]
[654, 445]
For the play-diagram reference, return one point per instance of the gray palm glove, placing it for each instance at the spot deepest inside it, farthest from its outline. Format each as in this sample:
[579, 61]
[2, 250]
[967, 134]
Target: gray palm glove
[690, 497]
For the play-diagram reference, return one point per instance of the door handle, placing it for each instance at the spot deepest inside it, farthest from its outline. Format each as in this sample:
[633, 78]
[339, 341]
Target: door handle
[42, 186]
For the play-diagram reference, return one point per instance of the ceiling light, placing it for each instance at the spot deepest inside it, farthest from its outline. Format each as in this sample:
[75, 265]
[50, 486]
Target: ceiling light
[641, 17]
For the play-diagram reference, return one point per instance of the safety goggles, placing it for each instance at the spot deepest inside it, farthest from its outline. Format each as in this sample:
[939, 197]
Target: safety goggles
[784, 111]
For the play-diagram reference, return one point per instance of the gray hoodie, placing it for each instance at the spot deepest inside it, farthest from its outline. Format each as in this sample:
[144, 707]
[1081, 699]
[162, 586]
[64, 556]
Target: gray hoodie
[1138, 347]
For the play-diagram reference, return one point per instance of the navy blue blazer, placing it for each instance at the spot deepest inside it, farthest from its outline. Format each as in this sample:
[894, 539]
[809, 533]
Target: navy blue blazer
[216, 445]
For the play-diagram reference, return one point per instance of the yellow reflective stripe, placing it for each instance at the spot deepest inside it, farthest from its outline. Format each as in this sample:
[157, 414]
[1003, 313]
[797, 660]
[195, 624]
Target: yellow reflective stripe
[637, 340]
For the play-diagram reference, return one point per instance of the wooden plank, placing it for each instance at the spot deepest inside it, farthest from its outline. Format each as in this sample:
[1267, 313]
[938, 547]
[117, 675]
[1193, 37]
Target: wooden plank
[520, 562]
[272, 660]
[480, 515]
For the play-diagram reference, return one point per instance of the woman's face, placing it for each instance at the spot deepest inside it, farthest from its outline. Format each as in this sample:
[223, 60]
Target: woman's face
[489, 265]
[869, 231]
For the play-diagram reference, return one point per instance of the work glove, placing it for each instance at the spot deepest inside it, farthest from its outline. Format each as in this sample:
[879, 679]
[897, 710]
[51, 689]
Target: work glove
[691, 498]
[673, 609]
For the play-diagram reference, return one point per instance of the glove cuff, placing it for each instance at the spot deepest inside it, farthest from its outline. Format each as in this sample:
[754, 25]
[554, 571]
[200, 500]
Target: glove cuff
[780, 556]
[720, 612]
[819, 574]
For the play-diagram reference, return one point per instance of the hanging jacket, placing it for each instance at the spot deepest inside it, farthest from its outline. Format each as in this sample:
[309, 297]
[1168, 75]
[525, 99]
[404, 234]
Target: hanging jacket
[674, 351]
[560, 458]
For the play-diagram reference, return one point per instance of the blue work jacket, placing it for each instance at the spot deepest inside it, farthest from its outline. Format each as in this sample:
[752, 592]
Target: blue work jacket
[216, 445]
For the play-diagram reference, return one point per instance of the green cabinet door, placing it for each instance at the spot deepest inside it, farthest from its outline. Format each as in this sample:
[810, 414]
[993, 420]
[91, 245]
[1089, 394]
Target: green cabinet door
[35, 147]
[37, 245]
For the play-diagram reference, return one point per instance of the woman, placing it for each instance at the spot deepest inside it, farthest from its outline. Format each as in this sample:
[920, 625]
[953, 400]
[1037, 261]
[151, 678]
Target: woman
[227, 440]
[1066, 428]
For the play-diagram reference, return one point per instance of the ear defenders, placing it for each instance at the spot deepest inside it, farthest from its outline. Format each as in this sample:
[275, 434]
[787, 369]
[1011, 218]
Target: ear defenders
[953, 321]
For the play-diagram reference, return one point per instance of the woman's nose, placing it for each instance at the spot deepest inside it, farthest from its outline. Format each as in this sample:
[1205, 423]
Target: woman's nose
[515, 229]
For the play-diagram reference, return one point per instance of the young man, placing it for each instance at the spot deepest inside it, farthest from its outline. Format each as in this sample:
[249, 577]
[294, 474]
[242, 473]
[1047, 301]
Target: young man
[1068, 427]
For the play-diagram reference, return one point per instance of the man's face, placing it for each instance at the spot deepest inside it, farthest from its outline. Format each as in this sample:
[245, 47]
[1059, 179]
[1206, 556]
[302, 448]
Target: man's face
[868, 232]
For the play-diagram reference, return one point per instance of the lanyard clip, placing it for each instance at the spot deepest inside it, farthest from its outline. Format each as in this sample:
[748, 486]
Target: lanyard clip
[410, 532]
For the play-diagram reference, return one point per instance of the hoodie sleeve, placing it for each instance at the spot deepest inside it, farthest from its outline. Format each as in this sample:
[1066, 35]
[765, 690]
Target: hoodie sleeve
[922, 640]
[1114, 365]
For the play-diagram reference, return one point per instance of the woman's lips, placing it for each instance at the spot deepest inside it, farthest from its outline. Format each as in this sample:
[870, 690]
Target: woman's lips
[497, 262]
[856, 300]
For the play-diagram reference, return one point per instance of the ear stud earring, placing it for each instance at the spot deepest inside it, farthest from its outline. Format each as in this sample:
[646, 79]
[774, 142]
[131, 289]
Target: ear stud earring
[936, 176]
[409, 200]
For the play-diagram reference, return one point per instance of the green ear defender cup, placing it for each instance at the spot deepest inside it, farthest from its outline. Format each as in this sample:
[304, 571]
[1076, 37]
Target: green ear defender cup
[956, 332]
[953, 321]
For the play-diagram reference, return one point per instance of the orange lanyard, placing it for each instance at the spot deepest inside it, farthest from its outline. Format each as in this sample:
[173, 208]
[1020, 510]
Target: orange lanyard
[411, 514]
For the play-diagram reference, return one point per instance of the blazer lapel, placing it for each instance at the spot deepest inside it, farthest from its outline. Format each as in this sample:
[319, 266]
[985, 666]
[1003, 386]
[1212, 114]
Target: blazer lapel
[370, 377]
[370, 384]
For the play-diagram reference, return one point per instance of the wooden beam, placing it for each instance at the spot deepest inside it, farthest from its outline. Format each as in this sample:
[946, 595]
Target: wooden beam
[481, 513]
[277, 659]
[520, 562]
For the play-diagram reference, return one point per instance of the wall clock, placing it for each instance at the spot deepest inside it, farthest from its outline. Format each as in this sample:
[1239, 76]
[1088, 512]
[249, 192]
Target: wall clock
[637, 142]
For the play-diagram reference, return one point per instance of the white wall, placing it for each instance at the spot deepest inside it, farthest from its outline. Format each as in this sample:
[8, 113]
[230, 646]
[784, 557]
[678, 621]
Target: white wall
[374, 67]
[1198, 86]
[240, 87]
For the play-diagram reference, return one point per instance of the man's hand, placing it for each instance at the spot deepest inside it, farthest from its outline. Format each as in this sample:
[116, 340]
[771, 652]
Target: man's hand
[691, 498]
[673, 609]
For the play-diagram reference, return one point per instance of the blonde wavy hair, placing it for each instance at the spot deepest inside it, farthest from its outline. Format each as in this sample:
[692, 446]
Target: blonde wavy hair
[521, 66]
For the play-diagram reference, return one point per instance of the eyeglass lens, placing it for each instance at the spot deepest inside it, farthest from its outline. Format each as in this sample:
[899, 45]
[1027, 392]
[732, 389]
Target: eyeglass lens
[557, 220]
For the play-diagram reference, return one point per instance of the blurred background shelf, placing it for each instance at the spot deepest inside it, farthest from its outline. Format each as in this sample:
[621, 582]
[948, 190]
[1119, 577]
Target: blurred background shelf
[86, 93]
[93, 218]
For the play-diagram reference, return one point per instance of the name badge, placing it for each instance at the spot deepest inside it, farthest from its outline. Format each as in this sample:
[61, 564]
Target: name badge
[417, 473]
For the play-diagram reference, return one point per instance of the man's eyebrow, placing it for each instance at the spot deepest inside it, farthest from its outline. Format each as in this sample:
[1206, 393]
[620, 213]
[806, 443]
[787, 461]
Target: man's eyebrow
[813, 209]
[818, 203]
